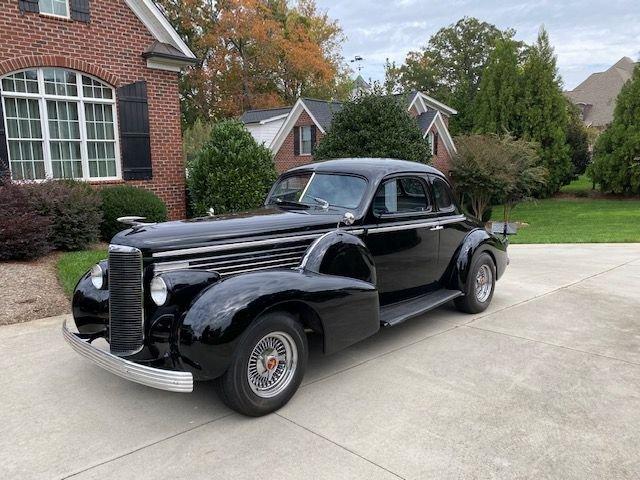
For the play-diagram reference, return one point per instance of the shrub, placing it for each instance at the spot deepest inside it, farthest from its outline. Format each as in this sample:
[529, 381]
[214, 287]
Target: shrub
[231, 173]
[489, 170]
[616, 157]
[194, 138]
[74, 210]
[124, 200]
[23, 232]
[374, 126]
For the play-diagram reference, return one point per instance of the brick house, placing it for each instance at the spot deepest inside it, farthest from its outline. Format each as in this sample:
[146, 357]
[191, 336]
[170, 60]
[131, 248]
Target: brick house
[89, 90]
[292, 132]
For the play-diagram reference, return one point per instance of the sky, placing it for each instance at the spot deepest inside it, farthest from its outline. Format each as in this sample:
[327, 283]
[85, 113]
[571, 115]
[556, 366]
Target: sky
[588, 35]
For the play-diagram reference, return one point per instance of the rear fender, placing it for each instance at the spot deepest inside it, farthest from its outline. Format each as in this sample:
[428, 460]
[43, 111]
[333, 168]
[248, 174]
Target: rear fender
[210, 329]
[475, 243]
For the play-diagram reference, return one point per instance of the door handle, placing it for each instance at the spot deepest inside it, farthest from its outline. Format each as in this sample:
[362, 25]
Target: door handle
[439, 227]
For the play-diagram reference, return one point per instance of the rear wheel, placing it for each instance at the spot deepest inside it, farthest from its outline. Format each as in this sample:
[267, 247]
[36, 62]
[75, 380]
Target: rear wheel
[480, 286]
[267, 367]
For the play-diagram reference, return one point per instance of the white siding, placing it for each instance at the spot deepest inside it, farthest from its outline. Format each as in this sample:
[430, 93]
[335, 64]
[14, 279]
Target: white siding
[265, 133]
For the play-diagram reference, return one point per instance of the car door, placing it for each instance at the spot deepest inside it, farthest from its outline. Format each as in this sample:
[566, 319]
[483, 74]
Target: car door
[452, 231]
[403, 238]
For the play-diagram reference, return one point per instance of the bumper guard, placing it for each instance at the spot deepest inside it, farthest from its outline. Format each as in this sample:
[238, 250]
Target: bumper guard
[170, 380]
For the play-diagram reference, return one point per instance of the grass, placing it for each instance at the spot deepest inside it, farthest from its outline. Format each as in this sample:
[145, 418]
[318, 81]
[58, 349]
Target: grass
[582, 186]
[576, 220]
[72, 265]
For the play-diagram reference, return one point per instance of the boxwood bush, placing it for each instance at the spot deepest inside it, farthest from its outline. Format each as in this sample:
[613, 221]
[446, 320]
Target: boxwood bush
[24, 232]
[74, 210]
[125, 200]
[231, 172]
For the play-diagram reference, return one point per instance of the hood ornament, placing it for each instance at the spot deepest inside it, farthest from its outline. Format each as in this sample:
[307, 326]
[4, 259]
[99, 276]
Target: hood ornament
[134, 221]
[347, 219]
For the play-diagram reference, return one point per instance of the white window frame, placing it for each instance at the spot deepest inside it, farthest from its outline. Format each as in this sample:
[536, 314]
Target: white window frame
[46, 14]
[302, 153]
[80, 99]
[432, 139]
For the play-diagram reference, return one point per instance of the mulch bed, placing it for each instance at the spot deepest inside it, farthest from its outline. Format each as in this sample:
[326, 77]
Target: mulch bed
[30, 290]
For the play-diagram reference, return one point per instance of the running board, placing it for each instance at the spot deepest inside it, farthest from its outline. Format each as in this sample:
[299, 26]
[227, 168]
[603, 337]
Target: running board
[396, 313]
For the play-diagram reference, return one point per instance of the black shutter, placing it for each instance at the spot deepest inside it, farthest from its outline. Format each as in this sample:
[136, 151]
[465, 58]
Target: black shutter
[4, 153]
[29, 6]
[313, 139]
[296, 141]
[435, 143]
[133, 115]
[80, 10]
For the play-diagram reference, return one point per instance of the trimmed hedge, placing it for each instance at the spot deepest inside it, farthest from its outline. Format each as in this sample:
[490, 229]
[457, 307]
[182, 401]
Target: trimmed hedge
[123, 201]
[74, 210]
[23, 231]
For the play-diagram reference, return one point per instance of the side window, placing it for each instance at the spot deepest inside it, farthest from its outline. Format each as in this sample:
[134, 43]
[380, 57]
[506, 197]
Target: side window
[443, 196]
[401, 195]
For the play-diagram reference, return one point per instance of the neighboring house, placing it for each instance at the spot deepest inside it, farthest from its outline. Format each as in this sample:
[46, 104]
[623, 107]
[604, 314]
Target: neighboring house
[90, 91]
[596, 96]
[292, 132]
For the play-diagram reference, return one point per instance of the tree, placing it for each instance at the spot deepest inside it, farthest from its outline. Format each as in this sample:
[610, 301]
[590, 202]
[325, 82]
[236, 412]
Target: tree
[450, 66]
[497, 99]
[543, 112]
[231, 173]
[489, 169]
[616, 158]
[255, 53]
[374, 126]
[578, 140]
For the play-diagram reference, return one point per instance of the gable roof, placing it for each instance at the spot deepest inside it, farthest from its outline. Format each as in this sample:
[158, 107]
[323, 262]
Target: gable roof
[425, 119]
[598, 92]
[158, 25]
[260, 115]
[322, 111]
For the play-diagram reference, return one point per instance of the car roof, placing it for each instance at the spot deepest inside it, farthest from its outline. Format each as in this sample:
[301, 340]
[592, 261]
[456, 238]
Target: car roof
[372, 168]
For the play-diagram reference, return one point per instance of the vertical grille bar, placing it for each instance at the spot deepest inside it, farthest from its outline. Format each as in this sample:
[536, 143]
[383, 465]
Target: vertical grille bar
[126, 313]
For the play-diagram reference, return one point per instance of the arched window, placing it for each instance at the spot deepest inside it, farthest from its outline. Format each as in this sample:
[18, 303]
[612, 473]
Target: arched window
[60, 124]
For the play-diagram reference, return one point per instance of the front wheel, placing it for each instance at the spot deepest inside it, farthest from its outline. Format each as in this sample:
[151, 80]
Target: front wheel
[480, 285]
[267, 367]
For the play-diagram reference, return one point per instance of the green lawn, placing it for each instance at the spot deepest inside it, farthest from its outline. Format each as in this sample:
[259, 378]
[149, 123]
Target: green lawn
[576, 220]
[582, 186]
[72, 265]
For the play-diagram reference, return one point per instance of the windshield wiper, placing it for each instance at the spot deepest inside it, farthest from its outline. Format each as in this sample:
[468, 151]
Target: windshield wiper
[321, 201]
[291, 203]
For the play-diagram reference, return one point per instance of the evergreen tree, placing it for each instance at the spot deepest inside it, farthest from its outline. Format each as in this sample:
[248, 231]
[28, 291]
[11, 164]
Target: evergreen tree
[544, 113]
[374, 126]
[616, 162]
[497, 100]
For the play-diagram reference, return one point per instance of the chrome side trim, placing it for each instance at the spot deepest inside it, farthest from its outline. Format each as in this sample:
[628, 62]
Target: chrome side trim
[410, 226]
[170, 380]
[253, 243]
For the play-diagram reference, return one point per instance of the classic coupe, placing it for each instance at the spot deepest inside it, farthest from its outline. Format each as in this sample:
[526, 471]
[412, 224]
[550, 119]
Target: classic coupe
[341, 248]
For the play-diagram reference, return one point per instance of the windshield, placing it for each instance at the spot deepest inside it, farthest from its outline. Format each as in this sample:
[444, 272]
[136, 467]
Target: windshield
[319, 189]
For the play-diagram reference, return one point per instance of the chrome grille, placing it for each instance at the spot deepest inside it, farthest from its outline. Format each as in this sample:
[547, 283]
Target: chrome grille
[126, 314]
[232, 261]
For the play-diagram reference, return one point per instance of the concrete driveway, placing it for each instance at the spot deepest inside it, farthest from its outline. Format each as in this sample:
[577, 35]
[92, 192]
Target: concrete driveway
[545, 384]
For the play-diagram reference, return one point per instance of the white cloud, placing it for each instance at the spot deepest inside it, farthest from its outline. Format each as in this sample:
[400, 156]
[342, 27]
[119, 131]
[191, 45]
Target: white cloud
[588, 35]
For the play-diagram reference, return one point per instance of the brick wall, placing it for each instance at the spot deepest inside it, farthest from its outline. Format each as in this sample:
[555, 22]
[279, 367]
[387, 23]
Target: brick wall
[442, 160]
[285, 158]
[110, 48]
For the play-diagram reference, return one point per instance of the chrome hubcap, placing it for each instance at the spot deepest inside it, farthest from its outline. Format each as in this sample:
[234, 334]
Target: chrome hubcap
[484, 281]
[272, 364]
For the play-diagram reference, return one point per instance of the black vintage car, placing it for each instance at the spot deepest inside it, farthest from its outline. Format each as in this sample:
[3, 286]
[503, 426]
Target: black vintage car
[341, 248]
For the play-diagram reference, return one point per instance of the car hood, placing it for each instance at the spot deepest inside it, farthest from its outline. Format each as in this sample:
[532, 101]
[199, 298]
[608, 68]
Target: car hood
[199, 232]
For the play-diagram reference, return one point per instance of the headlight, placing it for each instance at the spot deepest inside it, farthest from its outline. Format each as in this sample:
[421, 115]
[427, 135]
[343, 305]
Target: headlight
[159, 291]
[97, 276]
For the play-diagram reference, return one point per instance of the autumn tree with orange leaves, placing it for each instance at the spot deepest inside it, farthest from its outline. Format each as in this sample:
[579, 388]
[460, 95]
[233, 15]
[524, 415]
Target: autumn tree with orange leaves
[256, 54]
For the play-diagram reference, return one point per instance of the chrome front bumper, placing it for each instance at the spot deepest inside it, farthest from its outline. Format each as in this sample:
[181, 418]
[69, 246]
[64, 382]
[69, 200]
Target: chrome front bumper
[152, 377]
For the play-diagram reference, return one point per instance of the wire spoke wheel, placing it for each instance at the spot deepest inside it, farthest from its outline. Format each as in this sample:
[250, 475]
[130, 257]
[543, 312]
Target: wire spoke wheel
[272, 364]
[484, 283]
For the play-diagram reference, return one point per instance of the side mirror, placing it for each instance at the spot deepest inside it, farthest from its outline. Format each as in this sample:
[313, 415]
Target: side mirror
[347, 219]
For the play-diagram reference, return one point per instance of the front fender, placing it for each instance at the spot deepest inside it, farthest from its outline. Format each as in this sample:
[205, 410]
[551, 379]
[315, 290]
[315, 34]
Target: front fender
[210, 330]
[475, 243]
